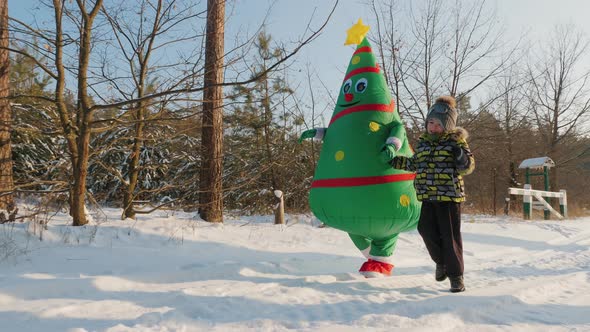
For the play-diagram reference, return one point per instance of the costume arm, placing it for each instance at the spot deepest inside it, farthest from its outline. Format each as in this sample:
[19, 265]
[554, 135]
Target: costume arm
[397, 135]
[393, 143]
[315, 133]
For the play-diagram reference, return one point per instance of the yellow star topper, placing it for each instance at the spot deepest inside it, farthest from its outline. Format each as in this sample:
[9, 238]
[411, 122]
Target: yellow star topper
[356, 33]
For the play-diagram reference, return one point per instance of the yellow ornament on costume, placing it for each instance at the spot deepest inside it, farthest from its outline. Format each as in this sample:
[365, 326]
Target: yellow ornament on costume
[374, 126]
[404, 200]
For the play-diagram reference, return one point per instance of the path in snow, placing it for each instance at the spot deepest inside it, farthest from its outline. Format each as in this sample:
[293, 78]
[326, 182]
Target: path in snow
[173, 273]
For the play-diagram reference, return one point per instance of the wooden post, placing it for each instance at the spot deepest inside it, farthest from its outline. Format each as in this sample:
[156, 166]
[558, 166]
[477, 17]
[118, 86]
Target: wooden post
[507, 206]
[494, 186]
[279, 207]
[527, 200]
[546, 212]
[563, 203]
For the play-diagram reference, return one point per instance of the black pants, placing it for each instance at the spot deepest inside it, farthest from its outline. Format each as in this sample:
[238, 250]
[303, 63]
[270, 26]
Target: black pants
[440, 228]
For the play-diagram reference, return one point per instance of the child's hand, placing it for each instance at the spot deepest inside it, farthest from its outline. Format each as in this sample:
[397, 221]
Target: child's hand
[456, 150]
[387, 153]
[458, 154]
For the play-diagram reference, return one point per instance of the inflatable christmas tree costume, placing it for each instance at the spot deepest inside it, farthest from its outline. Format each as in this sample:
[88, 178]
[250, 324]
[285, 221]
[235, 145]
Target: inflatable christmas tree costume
[354, 188]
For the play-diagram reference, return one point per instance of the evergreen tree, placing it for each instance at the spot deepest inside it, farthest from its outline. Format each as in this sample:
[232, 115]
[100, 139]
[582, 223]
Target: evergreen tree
[37, 149]
[259, 135]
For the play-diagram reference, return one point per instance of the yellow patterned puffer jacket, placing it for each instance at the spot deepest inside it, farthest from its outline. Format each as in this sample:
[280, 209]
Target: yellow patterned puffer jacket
[440, 162]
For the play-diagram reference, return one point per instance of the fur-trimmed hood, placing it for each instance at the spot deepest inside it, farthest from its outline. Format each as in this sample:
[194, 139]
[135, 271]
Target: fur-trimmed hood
[459, 133]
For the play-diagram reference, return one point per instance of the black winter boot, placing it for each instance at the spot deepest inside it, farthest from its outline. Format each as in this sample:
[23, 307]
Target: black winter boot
[441, 272]
[457, 284]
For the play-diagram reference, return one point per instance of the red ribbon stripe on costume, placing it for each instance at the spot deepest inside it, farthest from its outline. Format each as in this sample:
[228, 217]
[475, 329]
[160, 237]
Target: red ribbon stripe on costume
[363, 108]
[360, 71]
[364, 49]
[362, 181]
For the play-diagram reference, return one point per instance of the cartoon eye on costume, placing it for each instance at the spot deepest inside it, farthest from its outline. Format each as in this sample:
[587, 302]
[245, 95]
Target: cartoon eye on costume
[361, 85]
[347, 85]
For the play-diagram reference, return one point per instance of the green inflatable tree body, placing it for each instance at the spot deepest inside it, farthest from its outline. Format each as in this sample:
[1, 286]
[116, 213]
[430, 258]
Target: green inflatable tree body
[353, 189]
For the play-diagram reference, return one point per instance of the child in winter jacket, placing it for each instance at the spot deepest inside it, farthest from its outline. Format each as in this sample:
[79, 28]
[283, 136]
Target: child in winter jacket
[441, 158]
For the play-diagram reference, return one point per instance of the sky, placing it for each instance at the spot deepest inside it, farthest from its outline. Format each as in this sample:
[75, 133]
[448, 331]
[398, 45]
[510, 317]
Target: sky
[169, 271]
[287, 21]
[327, 57]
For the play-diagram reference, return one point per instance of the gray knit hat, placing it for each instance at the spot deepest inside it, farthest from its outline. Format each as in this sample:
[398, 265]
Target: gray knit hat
[445, 111]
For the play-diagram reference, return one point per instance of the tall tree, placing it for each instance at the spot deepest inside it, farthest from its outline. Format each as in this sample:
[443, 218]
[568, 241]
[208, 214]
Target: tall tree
[211, 196]
[560, 91]
[511, 110]
[451, 47]
[6, 180]
[258, 125]
[138, 44]
[77, 128]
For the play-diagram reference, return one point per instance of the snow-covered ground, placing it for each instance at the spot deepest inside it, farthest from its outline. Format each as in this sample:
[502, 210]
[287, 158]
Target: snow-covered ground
[169, 271]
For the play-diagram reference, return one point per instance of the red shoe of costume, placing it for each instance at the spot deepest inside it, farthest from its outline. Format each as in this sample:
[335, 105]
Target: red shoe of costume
[375, 269]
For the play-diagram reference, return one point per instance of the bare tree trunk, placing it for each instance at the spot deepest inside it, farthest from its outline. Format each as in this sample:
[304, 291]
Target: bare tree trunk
[6, 181]
[133, 163]
[69, 130]
[140, 114]
[138, 139]
[211, 196]
[84, 116]
[78, 208]
[142, 42]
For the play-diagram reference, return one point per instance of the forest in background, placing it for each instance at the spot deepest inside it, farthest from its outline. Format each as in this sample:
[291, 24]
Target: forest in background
[147, 106]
